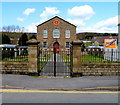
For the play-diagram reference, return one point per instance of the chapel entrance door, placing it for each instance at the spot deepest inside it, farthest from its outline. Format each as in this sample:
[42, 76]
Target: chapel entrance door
[56, 47]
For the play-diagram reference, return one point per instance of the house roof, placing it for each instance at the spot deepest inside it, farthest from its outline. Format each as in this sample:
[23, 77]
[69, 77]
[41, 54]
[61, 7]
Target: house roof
[59, 18]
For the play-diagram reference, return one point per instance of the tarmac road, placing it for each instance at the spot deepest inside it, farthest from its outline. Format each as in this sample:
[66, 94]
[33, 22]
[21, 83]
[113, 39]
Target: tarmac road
[59, 97]
[38, 97]
[81, 82]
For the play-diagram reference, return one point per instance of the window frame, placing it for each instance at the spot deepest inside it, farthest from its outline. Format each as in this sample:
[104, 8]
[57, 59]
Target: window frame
[67, 45]
[58, 33]
[67, 33]
[44, 44]
[45, 34]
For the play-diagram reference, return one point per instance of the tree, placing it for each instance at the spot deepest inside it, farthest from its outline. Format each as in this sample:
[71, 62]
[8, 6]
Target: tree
[33, 37]
[23, 40]
[106, 34]
[12, 28]
[17, 28]
[5, 39]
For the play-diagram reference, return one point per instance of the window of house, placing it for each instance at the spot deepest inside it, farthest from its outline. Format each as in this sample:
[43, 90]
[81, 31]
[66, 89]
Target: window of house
[67, 33]
[44, 44]
[45, 33]
[67, 45]
[56, 33]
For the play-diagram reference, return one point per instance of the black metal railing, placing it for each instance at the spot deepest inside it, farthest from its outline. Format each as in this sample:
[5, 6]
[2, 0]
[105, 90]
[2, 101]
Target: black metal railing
[43, 57]
[54, 63]
[14, 54]
[99, 56]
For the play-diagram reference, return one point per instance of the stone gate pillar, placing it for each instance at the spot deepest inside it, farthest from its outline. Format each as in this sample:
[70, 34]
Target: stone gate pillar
[33, 57]
[76, 57]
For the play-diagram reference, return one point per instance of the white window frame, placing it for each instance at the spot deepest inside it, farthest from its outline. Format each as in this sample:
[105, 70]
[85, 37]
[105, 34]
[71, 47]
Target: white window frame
[67, 33]
[45, 34]
[67, 45]
[43, 45]
[56, 34]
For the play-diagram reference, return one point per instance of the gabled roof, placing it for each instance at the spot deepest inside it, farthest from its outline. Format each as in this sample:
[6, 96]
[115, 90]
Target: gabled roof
[59, 18]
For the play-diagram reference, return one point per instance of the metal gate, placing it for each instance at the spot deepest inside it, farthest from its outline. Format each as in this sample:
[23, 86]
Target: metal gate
[55, 63]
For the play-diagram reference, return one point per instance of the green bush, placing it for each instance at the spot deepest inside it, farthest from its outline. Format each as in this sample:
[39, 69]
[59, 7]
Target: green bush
[7, 54]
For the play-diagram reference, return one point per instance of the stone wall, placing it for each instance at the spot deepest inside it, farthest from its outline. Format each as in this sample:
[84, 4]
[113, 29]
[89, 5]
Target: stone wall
[100, 69]
[87, 69]
[14, 67]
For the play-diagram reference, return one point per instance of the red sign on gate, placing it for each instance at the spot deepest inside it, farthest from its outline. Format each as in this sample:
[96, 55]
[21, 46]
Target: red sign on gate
[57, 48]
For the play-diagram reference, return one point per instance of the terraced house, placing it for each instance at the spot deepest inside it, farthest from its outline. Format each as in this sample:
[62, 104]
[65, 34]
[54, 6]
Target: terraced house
[56, 32]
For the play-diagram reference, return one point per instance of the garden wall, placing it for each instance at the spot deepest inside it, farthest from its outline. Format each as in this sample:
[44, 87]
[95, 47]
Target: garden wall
[14, 67]
[100, 69]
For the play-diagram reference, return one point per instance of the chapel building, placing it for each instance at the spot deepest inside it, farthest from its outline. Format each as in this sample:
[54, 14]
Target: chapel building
[56, 32]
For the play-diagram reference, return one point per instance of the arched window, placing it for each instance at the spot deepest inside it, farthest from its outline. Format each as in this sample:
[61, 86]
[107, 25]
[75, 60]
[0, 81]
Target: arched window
[45, 33]
[56, 33]
[67, 33]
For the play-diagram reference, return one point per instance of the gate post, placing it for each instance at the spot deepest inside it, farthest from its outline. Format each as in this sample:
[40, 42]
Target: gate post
[76, 58]
[54, 62]
[33, 57]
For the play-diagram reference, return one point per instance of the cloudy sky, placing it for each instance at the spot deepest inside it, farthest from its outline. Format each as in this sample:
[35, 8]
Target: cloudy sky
[87, 16]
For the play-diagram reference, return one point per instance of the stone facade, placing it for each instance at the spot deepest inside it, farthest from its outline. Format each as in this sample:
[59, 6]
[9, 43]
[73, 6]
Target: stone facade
[100, 69]
[76, 56]
[14, 67]
[62, 27]
[33, 56]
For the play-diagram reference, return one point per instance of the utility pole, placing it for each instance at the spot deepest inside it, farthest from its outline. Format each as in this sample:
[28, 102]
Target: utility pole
[119, 41]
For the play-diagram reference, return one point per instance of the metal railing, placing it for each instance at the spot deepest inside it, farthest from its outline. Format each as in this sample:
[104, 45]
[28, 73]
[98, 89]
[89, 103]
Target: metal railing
[54, 63]
[99, 56]
[14, 54]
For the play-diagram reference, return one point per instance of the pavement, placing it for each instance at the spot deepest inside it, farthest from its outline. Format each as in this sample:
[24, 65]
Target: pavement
[10, 81]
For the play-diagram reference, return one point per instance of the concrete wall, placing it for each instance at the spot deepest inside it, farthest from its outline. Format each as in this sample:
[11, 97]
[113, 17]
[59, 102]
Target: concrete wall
[14, 67]
[100, 69]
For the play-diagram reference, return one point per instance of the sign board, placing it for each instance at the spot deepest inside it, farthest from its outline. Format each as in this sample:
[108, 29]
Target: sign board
[110, 43]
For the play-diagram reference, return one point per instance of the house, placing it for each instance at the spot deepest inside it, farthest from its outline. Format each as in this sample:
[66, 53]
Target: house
[56, 32]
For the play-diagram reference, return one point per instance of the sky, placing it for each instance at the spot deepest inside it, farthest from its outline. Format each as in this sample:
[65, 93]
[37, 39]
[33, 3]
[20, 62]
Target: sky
[99, 17]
